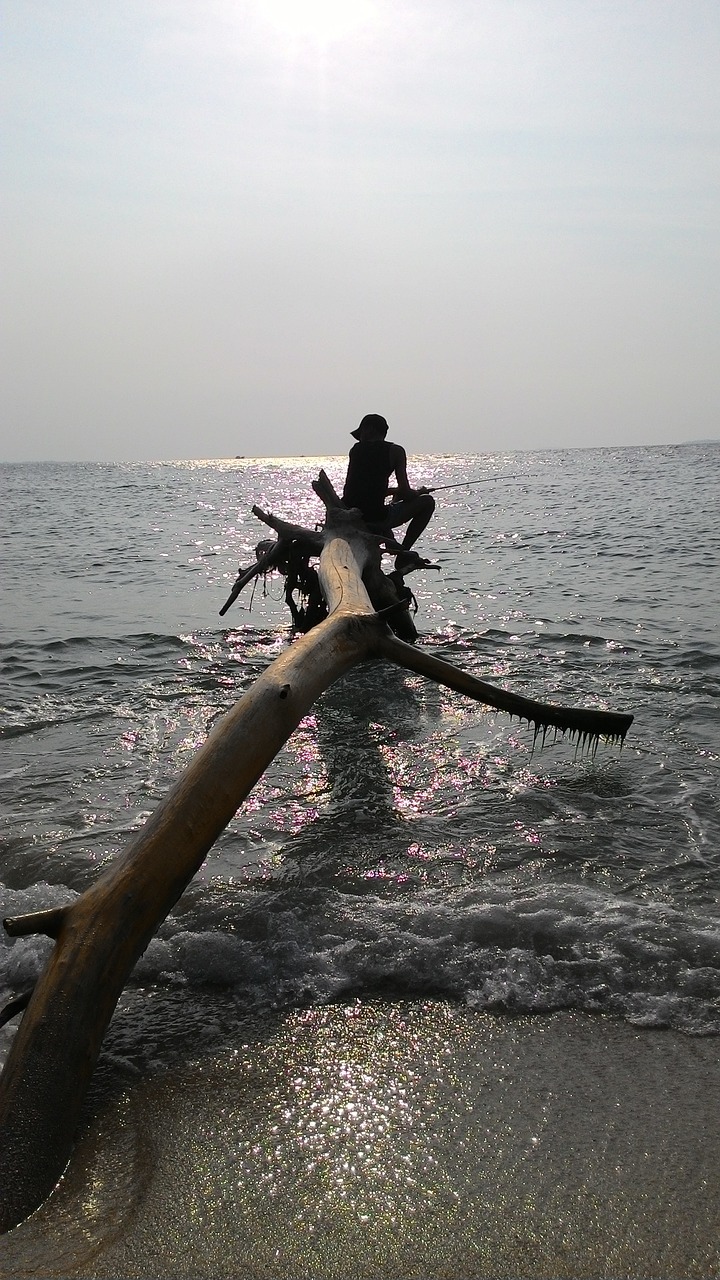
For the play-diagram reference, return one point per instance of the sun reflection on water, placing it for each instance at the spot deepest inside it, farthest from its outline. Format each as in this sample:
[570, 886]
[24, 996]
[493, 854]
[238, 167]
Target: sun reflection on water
[342, 1133]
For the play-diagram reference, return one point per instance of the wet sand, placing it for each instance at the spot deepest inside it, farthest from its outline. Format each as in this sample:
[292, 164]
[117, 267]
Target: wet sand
[399, 1139]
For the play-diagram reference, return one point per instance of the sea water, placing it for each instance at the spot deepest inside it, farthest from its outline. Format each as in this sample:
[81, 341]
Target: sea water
[406, 840]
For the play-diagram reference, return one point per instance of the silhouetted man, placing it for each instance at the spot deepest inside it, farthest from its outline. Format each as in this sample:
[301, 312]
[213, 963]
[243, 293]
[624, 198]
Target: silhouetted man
[373, 460]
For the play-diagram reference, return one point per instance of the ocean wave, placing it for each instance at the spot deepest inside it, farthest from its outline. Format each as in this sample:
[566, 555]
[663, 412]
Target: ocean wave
[567, 948]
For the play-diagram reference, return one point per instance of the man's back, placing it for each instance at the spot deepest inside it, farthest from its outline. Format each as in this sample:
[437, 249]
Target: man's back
[370, 465]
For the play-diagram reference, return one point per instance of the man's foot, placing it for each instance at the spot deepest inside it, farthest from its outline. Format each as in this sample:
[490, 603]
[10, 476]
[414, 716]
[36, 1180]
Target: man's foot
[406, 561]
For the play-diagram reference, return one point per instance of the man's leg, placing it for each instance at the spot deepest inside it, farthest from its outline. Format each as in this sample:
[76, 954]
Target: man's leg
[418, 511]
[421, 510]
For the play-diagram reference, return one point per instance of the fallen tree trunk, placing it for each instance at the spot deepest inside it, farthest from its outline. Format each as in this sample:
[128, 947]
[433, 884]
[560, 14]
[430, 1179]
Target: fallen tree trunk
[103, 933]
[100, 936]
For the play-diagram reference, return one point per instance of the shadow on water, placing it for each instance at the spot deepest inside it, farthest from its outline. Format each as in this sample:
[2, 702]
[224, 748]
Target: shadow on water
[356, 823]
[355, 722]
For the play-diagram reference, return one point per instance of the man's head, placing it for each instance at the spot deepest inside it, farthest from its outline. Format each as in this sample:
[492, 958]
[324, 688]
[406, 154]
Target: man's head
[372, 427]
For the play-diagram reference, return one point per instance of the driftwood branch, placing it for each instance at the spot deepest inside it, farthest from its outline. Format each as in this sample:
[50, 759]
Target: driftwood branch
[15, 1006]
[326, 492]
[586, 723]
[105, 931]
[288, 532]
[101, 935]
[267, 559]
[48, 922]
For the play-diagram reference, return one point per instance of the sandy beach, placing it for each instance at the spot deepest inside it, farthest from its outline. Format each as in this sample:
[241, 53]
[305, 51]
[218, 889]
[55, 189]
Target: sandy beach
[410, 1139]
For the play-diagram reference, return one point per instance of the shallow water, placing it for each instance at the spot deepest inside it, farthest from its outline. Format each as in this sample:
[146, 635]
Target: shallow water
[404, 840]
[402, 1139]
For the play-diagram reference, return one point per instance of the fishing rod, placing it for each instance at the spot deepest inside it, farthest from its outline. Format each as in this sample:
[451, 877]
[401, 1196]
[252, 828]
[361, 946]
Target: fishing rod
[461, 484]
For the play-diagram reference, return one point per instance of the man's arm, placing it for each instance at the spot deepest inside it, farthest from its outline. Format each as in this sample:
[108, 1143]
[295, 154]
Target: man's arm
[404, 489]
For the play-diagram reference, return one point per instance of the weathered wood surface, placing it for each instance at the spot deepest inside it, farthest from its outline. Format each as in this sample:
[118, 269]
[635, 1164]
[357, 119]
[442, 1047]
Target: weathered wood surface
[585, 724]
[103, 933]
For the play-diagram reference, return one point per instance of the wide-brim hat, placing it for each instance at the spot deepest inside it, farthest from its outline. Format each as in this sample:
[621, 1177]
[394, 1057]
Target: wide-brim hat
[371, 420]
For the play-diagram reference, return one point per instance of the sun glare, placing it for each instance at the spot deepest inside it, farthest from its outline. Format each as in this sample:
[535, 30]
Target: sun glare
[319, 20]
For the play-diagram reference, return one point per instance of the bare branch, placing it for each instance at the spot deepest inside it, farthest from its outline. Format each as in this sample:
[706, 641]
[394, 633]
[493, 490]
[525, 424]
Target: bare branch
[48, 922]
[14, 1007]
[325, 490]
[265, 561]
[291, 532]
[588, 724]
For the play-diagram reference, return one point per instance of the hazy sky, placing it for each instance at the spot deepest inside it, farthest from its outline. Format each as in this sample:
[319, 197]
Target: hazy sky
[236, 226]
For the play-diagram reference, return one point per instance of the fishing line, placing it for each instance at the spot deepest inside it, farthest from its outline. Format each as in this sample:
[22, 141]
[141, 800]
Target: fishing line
[462, 484]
